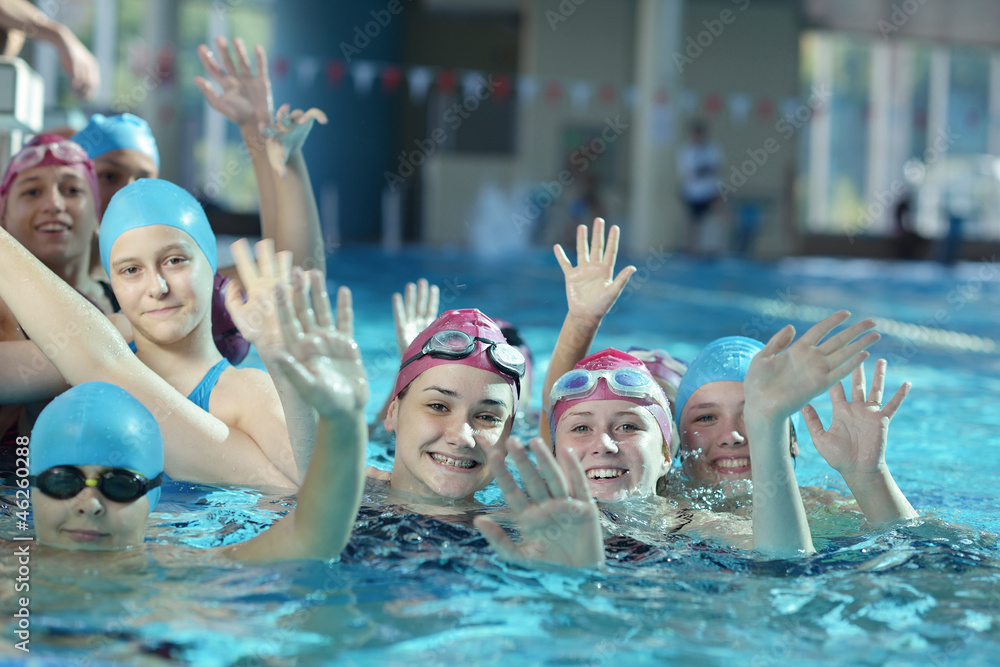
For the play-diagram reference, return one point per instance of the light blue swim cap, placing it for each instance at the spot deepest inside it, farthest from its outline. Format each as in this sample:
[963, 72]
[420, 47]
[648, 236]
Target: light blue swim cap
[153, 201]
[104, 134]
[99, 424]
[723, 359]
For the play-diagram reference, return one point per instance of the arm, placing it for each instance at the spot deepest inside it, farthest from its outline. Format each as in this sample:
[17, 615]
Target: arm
[556, 515]
[288, 209]
[324, 365]
[198, 447]
[855, 444]
[781, 379]
[591, 290]
[412, 311]
[79, 63]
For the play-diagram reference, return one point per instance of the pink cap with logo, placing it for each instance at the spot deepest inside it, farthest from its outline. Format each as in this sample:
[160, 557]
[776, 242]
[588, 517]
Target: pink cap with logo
[46, 150]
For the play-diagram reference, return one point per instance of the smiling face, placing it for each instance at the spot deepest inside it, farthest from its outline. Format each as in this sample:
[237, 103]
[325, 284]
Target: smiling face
[116, 169]
[714, 447]
[444, 422]
[163, 282]
[619, 444]
[50, 211]
[88, 520]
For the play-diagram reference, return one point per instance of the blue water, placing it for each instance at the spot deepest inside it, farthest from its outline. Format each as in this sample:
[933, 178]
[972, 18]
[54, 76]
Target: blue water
[414, 590]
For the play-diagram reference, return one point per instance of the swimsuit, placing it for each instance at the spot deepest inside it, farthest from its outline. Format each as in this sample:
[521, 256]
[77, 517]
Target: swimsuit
[203, 391]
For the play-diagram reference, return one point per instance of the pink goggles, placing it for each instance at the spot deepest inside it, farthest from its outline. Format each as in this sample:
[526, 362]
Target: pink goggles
[63, 152]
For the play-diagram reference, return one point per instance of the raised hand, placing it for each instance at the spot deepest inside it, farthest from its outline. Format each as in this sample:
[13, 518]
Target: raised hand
[260, 280]
[592, 286]
[414, 310]
[245, 98]
[556, 515]
[323, 361]
[287, 133]
[855, 443]
[784, 376]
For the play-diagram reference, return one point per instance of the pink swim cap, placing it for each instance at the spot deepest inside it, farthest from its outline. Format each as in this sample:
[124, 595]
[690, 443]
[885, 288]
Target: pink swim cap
[469, 321]
[649, 395]
[46, 150]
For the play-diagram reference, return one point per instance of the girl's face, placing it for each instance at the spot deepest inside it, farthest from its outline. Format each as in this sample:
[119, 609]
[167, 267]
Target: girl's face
[445, 422]
[50, 211]
[619, 444]
[714, 447]
[163, 282]
[88, 520]
[116, 169]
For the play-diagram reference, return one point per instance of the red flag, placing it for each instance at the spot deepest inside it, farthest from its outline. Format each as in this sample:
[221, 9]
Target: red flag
[392, 75]
[335, 72]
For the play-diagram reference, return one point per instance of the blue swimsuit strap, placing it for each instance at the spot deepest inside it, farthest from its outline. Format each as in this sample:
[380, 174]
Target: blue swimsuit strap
[203, 391]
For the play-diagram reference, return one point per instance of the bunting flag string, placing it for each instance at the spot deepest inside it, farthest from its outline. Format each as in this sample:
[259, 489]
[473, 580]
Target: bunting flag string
[581, 95]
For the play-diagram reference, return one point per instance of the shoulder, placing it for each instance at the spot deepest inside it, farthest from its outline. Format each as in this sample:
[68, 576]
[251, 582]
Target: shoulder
[241, 387]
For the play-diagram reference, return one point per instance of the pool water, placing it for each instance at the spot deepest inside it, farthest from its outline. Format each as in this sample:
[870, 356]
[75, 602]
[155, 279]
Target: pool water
[416, 590]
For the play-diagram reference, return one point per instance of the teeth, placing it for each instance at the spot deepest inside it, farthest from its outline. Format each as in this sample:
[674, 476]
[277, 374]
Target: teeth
[605, 473]
[732, 463]
[457, 463]
[53, 227]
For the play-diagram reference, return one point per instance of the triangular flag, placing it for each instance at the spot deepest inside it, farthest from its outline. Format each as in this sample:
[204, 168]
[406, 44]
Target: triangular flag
[739, 108]
[307, 70]
[553, 91]
[446, 81]
[632, 96]
[364, 73]
[689, 100]
[472, 83]
[419, 80]
[501, 86]
[580, 93]
[607, 93]
[335, 71]
[392, 76]
[764, 107]
[527, 88]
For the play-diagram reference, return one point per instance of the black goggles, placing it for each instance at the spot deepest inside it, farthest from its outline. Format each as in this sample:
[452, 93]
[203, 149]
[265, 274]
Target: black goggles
[453, 344]
[118, 485]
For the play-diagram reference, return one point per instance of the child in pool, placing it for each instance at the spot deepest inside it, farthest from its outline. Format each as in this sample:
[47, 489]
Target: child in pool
[454, 399]
[160, 253]
[96, 459]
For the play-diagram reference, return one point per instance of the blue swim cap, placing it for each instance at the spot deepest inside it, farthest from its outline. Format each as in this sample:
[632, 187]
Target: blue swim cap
[153, 201]
[104, 134]
[98, 424]
[723, 359]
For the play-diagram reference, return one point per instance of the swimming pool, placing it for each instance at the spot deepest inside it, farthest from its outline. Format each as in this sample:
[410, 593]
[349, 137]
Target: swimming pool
[412, 590]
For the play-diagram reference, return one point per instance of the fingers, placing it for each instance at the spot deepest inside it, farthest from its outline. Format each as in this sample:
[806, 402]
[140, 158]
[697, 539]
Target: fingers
[517, 500]
[291, 327]
[618, 286]
[611, 250]
[878, 382]
[345, 310]
[211, 94]
[837, 396]
[844, 337]
[852, 352]
[778, 342]
[582, 249]
[245, 266]
[267, 263]
[410, 301]
[227, 60]
[498, 538]
[210, 63]
[533, 483]
[858, 385]
[557, 486]
[242, 57]
[233, 296]
[433, 302]
[573, 469]
[261, 56]
[821, 329]
[312, 114]
[301, 300]
[889, 409]
[813, 423]
[597, 240]
[563, 260]
[321, 300]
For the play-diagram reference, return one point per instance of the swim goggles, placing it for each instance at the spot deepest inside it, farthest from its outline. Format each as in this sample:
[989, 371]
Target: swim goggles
[453, 344]
[118, 485]
[67, 152]
[626, 382]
